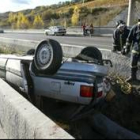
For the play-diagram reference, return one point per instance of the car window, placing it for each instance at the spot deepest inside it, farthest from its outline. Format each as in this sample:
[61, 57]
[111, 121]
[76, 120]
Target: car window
[56, 27]
[51, 28]
[60, 27]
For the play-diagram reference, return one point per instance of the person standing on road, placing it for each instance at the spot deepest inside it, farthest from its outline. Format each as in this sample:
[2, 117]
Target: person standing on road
[91, 29]
[84, 29]
[119, 37]
[134, 42]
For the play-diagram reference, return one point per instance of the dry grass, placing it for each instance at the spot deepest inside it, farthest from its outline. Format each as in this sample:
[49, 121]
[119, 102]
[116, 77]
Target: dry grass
[9, 50]
[107, 16]
[96, 3]
[100, 18]
[106, 3]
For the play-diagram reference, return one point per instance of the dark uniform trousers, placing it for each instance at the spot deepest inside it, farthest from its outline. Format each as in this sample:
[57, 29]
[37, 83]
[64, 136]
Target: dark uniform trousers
[134, 64]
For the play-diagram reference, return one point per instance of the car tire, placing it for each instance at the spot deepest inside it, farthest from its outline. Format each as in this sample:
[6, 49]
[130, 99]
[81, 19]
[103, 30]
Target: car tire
[92, 52]
[46, 34]
[48, 57]
[30, 52]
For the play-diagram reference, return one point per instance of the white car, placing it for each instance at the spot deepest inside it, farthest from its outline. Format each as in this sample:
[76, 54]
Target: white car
[45, 73]
[56, 30]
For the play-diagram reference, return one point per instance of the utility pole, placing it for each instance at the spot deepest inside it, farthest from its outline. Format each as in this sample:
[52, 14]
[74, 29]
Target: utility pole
[83, 2]
[131, 12]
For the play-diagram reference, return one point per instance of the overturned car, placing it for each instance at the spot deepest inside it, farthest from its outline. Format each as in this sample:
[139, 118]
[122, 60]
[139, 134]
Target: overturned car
[44, 72]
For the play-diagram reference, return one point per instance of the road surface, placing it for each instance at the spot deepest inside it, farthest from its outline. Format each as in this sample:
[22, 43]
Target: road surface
[99, 42]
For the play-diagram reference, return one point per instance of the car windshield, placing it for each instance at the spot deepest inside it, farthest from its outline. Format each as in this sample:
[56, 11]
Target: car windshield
[51, 27]
[60, 27]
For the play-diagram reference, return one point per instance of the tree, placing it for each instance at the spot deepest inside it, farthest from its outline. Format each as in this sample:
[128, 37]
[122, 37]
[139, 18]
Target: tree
[38, 22]
[47, 15]
[70, 11]
[32, 13]
[52, 23]
[42, 8]
[12, 19]
[65, 23]
[18, 20]
[22, 21]
[84, 11]
[75, 16]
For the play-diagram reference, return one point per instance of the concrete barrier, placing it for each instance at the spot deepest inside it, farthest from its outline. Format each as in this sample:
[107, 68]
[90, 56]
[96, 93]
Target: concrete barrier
[25, 45]
[21, 120]
[98, 31]
[18, 44]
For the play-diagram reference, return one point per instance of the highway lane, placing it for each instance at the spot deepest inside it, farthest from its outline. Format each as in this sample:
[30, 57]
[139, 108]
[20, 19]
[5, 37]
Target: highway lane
[99, 42]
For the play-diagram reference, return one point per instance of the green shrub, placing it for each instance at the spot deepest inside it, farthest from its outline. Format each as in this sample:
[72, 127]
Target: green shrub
[96, 11]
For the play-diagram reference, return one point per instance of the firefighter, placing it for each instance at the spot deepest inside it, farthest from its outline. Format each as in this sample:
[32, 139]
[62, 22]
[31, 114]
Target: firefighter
[119, 37]
[119, 22]
[133, 41]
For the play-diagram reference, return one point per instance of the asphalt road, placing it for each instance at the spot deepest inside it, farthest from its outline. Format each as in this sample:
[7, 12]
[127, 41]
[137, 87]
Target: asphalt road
[99, 42]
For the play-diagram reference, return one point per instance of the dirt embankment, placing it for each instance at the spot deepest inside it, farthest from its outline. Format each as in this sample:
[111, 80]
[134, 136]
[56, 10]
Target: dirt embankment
[124, 109]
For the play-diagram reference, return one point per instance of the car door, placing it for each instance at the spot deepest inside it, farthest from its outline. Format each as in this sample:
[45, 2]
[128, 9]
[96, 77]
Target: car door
[49, 31]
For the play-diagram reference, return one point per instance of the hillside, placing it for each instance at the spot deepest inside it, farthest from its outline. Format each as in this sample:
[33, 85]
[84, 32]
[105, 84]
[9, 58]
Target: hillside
[74, 13]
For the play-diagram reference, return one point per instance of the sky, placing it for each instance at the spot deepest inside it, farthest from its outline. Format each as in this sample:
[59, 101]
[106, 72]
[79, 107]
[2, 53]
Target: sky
[17, 5]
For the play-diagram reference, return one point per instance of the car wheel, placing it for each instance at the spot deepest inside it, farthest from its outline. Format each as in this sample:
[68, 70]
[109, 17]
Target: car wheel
[46, 34]
[30, 52]
[48, 57]
[92, 52]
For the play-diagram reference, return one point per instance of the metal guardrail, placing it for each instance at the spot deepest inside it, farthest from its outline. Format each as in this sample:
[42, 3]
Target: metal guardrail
[74, 31]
